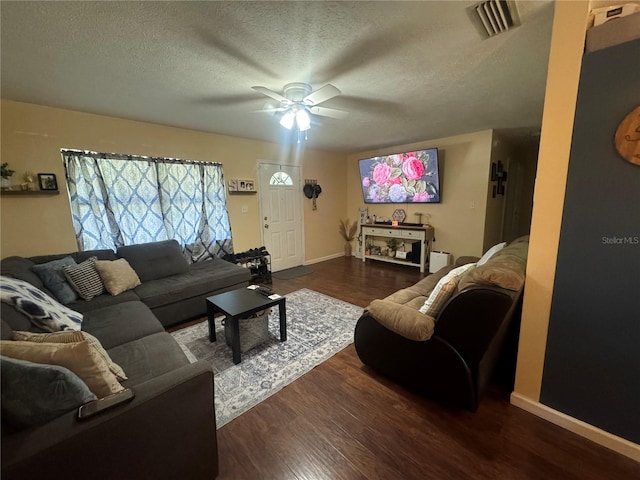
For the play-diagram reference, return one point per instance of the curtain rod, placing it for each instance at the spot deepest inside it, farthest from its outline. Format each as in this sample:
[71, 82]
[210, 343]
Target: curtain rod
[137, 158]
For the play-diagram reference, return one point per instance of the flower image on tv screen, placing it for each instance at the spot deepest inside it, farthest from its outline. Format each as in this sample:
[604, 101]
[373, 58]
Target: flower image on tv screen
[410, 177]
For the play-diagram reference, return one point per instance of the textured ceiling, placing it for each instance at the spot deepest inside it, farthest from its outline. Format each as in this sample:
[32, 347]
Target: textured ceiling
[409, 71]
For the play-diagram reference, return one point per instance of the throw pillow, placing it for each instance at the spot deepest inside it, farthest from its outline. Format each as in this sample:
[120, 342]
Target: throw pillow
[443, 291]
[43, 311]
[71, 337]
[85, 279]
[491, 252]
[54, 280]
[117, 275]
[77, 357]
[34, 394]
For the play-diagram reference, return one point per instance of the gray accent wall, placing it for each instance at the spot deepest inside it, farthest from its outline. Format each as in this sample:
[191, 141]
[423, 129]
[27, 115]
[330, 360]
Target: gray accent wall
[592, 363]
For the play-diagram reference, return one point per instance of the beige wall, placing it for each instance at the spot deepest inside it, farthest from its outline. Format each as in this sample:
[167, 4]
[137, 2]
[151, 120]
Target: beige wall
[567, 43]
[33, 135]
[464, 169]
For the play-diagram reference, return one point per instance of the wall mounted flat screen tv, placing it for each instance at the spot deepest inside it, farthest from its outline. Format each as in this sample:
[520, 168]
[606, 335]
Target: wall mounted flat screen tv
[410, 177]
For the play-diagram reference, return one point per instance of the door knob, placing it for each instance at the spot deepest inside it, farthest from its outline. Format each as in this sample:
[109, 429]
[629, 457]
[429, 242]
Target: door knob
[266, 225]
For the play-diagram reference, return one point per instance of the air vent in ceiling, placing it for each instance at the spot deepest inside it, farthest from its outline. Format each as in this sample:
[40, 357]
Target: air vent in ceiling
[497, 16]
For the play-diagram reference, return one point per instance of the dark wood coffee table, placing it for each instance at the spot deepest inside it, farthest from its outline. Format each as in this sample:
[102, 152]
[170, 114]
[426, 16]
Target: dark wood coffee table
[242, 303]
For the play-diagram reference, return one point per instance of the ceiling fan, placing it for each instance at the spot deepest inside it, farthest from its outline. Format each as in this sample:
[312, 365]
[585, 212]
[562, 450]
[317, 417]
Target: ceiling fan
[299, 100]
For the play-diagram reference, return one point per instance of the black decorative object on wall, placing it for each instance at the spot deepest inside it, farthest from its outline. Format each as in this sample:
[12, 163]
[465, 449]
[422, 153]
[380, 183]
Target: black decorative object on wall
[312, 190]
[498, 174]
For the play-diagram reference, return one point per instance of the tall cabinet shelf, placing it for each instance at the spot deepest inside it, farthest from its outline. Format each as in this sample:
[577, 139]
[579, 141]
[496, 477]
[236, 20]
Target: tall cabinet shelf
[404, 234]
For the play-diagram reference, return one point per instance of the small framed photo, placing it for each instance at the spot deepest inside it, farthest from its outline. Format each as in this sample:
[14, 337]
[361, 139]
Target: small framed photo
[246, 185]
[47, 181]
[232, 185]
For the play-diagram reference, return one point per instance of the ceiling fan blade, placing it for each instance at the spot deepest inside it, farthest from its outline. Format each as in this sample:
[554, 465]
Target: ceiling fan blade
[328, 112]
[321, 95]
[271, 110]
[272, 94]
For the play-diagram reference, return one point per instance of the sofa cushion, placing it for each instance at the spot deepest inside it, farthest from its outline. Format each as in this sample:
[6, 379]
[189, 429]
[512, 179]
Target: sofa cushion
[403, 320]
[506, 269]
[19, 267]
[77, 357]
[42, 310]
[12, 319]
[33, 393]
[79, 257]
[415, 295]
[71, 337]
[148, 357]
[121, 323]
[200, 278]
[104, 300]
[52, 276]
[444, 290]
[117, 275]
[155, 260]
[85, 279]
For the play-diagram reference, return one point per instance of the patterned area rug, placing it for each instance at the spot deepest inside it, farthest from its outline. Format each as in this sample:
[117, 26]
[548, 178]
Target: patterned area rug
[318, 327]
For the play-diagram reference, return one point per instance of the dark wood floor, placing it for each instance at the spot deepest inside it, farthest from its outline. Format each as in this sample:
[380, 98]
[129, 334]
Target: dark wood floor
[342, 421]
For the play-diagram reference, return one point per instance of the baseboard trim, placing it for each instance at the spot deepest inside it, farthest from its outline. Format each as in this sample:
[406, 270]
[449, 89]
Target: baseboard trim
[322, 259]
[606, 439]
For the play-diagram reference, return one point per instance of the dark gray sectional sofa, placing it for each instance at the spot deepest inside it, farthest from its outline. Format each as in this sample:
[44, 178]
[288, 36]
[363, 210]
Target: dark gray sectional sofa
[168, 430]
[174, 290]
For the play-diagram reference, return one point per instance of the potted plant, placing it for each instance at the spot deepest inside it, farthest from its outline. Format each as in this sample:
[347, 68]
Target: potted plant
[5, 173]
[348, 232]
[392, 243]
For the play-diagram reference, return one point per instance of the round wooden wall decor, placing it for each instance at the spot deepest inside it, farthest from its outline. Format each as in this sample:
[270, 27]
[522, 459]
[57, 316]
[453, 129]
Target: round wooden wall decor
[628, 137]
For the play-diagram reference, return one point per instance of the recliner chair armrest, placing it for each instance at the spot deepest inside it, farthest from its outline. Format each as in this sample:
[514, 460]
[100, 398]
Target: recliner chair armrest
[471, 318]
[167, 431]
[403, 320]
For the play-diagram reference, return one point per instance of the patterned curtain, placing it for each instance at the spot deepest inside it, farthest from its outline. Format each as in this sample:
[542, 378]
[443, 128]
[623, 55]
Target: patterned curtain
[124, 200]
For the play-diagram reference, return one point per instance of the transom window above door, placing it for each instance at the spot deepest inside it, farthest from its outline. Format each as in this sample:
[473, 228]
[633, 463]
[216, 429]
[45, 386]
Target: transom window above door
[280, 178]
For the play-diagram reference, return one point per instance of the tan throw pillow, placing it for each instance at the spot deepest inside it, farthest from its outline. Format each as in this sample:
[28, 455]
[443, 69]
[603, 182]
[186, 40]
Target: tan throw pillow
[77, 357]
[117, 275]
[443, 291]
[72, 337]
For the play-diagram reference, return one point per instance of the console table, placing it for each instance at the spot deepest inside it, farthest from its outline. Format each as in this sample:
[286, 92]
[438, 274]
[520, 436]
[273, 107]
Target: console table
[403, 233]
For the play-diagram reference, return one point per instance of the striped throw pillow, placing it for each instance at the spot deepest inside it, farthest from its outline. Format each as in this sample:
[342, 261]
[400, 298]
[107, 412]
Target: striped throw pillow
[85, 279]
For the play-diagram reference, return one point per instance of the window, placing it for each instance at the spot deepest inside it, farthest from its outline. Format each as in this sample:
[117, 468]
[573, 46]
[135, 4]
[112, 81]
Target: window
[280, 178]
[121, 200]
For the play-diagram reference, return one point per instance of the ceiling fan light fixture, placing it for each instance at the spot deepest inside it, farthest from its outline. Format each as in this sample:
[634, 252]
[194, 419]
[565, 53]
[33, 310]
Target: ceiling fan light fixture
[287, 120]
[303, 120]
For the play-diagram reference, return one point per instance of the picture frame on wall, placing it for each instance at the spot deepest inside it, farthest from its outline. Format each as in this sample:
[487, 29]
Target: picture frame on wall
[232, 185]
[47, 181]
[246, 186]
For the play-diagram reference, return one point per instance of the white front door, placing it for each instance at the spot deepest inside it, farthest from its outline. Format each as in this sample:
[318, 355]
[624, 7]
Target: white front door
[281, 214]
